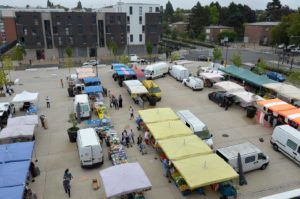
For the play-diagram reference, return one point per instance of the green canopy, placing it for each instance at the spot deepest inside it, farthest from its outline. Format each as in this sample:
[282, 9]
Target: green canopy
[247, 75]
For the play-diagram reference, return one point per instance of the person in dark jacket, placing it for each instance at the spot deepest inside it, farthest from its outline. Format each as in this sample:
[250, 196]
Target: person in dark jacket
[120, 101]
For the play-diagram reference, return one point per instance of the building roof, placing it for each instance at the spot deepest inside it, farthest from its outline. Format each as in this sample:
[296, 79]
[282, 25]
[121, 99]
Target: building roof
[264, 23]
[218, 27]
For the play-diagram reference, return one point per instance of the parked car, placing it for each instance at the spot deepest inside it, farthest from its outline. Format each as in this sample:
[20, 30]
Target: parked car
[281, 46]
[296, 50]
[135, 58]
[90, 62]
[220, 96]
[194, 83]
[275, 76]
[204, 58]
[290, 47]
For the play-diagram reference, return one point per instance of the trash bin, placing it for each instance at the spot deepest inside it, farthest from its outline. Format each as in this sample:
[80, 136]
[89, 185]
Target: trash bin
[152, 100]
[251, 111]
[43, 119]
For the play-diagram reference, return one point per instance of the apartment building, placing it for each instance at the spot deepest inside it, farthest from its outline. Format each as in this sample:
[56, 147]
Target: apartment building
[259, 32]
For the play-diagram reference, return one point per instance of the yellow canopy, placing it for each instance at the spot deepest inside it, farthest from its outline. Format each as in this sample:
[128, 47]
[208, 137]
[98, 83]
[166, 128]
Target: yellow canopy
[184, 147]
[204, 170]
[157, 115]
[168, 129]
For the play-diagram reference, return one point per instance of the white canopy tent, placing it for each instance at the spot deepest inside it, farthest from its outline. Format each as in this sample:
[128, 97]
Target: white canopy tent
[246, 98]
[130, 83]
[285, 90]
[23, 120]
[124, 179]
[216, 77]
[229, 86]
[138, 90]
[25, 96]
[14, 132]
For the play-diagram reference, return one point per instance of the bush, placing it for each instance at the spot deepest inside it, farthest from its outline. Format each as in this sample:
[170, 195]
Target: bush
[294, 77]
[175, 56]
[227, 33]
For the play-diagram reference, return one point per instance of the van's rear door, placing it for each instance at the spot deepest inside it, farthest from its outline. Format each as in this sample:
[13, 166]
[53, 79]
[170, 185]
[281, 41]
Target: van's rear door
[86, 156]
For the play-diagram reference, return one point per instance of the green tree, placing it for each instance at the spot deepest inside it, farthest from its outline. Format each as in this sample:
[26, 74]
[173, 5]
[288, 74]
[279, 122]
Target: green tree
[217, 54]
[20, 53]
[7, 65]
[174, 35]
[294, 78]
[231, 35]
[179, 15]
[169, 12]
[69, 53]
[113, 47]
[175, 56]
[149, 48]
[236, 59]
[214, 15]
[166, 28]
[260, 67]
[294, 29]
[79, 6]
[3, 79]
[124, 59]
[198, 19]
[279, 33]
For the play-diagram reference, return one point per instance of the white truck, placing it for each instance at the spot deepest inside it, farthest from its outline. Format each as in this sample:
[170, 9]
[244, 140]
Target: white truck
[197, 126]
[156, 70]
[89, 147]
[194, 83]
[135, 59]
[286, 139]
[179, 72]
[82, 106]
[252, 158]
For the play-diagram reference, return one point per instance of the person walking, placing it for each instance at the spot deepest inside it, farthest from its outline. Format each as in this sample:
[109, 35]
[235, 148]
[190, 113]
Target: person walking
[131, 135]
[146, 137]
[48, 102]
[67, 182]
[131, 111]
[139, 142]
[120, 101]
[127, 139]
[62, 83]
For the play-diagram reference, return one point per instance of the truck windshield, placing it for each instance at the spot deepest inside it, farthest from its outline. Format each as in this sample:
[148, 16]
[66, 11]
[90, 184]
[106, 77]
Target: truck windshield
[204, 135]
[85, 108]
[154, 90]
[147, 72]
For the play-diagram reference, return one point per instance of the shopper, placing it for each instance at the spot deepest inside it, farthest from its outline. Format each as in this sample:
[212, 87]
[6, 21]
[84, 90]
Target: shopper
[32, 171]
[48, 102]
[67, 182]
[62, 83]
[127, 139]
[139, 141]
[131, 111]
[120, 101]
[131, 134]
[146, 137]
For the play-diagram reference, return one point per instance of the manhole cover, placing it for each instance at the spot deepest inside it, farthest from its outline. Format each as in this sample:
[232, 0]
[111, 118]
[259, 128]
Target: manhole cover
[225, 135]
[36, 77]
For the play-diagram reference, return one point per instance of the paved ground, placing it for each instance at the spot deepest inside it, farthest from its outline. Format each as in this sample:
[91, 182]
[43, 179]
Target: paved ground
[55, 153]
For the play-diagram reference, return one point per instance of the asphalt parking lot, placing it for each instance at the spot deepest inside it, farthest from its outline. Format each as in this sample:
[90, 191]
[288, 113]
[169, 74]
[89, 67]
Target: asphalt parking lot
[55, 153]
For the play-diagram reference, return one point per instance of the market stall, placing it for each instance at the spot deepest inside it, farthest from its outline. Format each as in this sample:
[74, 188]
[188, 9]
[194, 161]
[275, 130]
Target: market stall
[124, 179]
[229, 86]
[139, 73]
[17, 133]
[200, 171]
[91, 81]
[210, 78]
[84, 70]
[23, 120]
[157, 115]
[246, 98]
[85, 75]
[93, 89]
[291, 117]
[288, 91]
[183, 147]
[29, 100]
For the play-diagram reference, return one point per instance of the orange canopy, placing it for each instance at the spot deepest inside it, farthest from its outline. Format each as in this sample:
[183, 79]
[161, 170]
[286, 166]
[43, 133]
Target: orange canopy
[269, 101]
[297, 120]
[281, 107]
[287, 113]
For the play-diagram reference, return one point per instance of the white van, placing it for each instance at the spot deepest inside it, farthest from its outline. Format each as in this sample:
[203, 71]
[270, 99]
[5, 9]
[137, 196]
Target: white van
[179, 72]
[252, 157]
[287, 140]
[84, 105]
[293, 194]
[89, 148]
[198, 127]
[156, 70]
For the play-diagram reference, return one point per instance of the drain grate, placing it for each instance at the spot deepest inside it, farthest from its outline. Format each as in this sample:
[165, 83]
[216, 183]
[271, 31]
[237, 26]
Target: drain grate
[225, 135]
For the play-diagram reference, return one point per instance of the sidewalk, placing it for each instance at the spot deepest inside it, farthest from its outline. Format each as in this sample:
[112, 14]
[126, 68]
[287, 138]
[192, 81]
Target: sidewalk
[284, 64]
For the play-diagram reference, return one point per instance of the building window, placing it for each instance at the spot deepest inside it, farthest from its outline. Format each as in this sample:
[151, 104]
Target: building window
[54, 29]
[59, 41]
[156, 9]
[71, 40]
[57, 20]
[33, 31]
[150, 9]
[128, 28]
[35, 20]
[143, 28]
[128, 19]
[67, 31]
[130, 10]
[111, 19]
[131, 38]
[140, 19]
[83, 38]
[25, 32]
[141, 37]
[79, 19]
[93, 19]
[119, 19]
[18, 19]
[108, 29]
[160, 19]
[140, 10]
[80, 29]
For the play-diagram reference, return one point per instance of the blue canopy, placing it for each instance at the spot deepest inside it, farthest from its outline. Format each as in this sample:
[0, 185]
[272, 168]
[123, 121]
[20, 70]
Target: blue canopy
[16, 152]
[93, 89]
[117, 66]
[13, 173]
[15, 192]
[125, 72]
[90, 80]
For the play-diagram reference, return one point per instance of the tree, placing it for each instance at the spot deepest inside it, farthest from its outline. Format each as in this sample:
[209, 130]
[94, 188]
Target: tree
[124, 59]
[260, 67]
[169, 12]
[294, 29]
[214, 15]
[175, 56]
[166, 28]
[174, 35]
[113, 47]
[7, 65]
[275, 11]
[198, 19]
[231, 35]
[217, 54]
[280, 32]
[294, 78]
[69, 53]
[79, 6]
[20, 52]
[236, 59]
[3, 80]
[149, 48]
[179, 15]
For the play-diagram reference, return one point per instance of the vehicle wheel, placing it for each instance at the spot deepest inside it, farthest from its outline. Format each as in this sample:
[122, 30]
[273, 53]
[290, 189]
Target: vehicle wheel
[275, 147]
[263, 167]
[193, 89]
[184, 83]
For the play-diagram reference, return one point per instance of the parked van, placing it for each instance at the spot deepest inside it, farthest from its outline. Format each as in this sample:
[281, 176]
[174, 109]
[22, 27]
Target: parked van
[179, 72]
[292, 194]
[252, 157]
[84, 106]
[89, 148]
[152, 88]
[156, 70]
[287, 140]
[198, 127]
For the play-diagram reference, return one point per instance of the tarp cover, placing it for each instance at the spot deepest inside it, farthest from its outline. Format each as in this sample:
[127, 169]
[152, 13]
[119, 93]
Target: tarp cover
[168, 129]
[229, 86]
[125, 72]
[20, 131]
[123, 179]
[90, 80]
[84, 70]
[184, 147]
[246, 98]
[23, 120]
[138, 90]
[212, 76]
[13, 173]
[16, 152]
[15, 192]
[157, 115]
[286, 90]
[200, 171]
[129, 83]
[116, 66]
[85, 75]
[93, 89]
[247, 75]
[139, 73]
[25, 96]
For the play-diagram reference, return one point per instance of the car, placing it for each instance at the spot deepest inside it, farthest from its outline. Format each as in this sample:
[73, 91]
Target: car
[203, 58]
[181, 57]
[220, 96]
[296, 50]
[91, 62]
[194, 83]
[281, 46]
[289, 48]
[275, 76]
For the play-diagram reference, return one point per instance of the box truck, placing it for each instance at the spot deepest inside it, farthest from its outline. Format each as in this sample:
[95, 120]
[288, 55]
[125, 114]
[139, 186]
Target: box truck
[82, 106]
[156, 70]
[179, 72]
